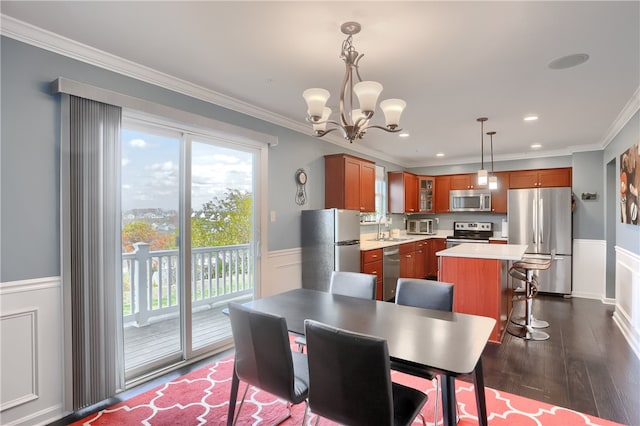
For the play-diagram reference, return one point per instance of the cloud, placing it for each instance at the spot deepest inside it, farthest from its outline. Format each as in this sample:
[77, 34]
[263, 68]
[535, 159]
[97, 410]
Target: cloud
[125, 162]
[138, 143]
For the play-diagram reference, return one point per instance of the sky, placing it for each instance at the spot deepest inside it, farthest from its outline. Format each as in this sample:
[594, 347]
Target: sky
[150, 170]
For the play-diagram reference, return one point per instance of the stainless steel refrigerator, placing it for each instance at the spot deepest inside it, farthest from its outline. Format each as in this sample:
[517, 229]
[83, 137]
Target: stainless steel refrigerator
[330, 242]
[541, 218]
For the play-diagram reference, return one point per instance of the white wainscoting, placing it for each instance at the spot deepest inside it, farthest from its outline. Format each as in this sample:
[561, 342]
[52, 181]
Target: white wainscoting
[31, 351]
[589, 269]
[283, 272]
[627, 313]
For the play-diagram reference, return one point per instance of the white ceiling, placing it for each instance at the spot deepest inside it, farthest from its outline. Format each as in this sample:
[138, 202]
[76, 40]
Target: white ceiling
[451, 61]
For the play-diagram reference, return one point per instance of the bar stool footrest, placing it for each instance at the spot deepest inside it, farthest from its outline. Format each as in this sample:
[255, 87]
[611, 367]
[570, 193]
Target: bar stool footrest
[527, 333]
[535, 323]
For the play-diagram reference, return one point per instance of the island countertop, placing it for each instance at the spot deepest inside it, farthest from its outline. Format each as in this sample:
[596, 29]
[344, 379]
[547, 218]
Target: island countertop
[486, 251]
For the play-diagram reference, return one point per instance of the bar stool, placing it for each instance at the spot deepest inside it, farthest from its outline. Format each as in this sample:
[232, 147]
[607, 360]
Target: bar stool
[523, 270]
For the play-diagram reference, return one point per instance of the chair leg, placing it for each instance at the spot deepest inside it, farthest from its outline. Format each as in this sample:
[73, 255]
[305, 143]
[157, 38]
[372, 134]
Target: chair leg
[306, 410]
[244, 395]
[435, 411]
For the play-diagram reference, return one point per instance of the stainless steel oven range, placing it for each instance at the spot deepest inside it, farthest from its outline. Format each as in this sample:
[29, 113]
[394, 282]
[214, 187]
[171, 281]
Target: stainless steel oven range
[470, 232]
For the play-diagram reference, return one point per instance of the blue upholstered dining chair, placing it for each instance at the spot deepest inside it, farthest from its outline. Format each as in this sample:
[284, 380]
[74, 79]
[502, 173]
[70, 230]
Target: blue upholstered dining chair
[354, 284]
[426, 294]
[263, 357]
[350, 380]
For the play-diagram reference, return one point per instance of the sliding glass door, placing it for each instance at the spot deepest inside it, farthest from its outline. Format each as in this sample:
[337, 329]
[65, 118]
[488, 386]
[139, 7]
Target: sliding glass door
[188, 227]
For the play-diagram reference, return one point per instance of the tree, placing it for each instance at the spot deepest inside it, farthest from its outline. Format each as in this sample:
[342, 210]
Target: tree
[143, 232]
[224, 221]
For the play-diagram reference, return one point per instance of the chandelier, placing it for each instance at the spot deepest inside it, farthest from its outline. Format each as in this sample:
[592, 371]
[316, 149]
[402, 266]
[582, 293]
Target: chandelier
[353, 123]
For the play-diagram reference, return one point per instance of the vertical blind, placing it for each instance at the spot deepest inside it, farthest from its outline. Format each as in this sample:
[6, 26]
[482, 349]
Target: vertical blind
[95, 276]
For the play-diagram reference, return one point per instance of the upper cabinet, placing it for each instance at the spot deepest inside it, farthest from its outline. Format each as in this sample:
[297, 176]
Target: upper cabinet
[426, 194]
[499, 196]
[543, 178]
[466, 181]
[443, 185]
[403, 192]
[349, 183]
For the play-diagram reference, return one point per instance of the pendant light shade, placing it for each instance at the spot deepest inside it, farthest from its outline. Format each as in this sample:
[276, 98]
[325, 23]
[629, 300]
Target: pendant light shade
[483, 176]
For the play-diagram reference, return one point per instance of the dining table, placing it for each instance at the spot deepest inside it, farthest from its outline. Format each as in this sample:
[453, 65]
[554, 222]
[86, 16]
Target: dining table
[447, 343]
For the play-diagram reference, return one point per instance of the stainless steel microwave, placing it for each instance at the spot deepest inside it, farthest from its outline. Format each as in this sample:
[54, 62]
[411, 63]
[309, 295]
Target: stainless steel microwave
[420, 226]
[472, 200]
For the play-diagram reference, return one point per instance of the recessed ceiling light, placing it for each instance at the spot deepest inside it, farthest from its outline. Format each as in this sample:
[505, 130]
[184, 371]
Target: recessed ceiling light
[403, 135]
[536, 146]
[440, 154]
[568, 61]
[531, 118]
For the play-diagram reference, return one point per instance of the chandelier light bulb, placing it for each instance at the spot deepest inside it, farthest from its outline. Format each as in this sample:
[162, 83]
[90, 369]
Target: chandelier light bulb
[322, 124]
[316, 99]
[392, 109]
[368, 93]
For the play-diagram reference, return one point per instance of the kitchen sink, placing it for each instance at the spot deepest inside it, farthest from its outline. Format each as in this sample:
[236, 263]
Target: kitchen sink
[391, 239]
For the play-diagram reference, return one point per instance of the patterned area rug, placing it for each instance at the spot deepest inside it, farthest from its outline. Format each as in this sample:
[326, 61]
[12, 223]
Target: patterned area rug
[201, 397]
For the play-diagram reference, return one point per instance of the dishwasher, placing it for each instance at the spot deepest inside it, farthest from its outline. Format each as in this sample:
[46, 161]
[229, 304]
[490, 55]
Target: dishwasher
[391, 272]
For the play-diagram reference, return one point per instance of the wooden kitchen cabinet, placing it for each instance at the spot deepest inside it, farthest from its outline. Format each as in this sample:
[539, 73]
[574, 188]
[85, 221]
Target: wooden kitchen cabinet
[443, 185]
[403, 192]
[466, 181]
[426, 194]
[371, 263]
[499, 196]
[542, 178]
[349, 183]
[408, 260]
[434, 245]
[421, 259]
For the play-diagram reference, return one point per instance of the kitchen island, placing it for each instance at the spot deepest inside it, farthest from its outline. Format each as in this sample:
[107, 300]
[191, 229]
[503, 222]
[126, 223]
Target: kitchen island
[480, 274]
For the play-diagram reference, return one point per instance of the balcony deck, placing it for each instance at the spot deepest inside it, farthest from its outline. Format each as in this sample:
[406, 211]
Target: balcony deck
[161, 337]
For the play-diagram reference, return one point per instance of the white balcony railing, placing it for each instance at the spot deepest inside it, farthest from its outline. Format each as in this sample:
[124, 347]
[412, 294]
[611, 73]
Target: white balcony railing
[151, 287]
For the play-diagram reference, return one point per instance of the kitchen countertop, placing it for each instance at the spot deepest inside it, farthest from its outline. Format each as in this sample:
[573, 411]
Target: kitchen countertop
[486, 251]
[367, 241]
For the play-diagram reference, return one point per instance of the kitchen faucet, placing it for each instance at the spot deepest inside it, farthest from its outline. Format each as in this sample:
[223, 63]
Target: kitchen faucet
[380, 235]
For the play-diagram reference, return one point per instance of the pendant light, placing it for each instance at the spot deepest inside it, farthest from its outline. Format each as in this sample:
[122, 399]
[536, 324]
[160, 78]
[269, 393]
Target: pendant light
[482, 173]
[493, 179]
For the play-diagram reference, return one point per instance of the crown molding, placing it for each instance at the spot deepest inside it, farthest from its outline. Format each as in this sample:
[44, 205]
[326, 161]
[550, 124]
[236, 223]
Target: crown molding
[632, 106]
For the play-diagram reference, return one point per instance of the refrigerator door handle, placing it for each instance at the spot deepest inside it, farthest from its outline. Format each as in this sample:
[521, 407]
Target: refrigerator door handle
[541, 220]
[535, 223]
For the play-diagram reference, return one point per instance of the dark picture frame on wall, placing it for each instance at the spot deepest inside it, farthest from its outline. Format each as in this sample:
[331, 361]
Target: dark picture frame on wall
[629, 185]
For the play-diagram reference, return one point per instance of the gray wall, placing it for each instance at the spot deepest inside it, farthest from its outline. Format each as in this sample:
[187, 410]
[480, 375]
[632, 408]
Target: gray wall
[627, 236]
[588, 217]
[29, 157]
[498, 166]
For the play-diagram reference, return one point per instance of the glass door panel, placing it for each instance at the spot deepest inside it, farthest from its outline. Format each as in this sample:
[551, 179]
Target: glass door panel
[222, 237]
[151, 249]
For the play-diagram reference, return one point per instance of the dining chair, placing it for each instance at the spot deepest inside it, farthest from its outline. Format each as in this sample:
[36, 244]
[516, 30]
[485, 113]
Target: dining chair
[263, 357]
[354, 284]
[350, 380]
[426, 294]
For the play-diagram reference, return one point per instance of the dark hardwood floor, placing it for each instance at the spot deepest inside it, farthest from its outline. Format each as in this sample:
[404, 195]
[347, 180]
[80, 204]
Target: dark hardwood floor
[586, 365]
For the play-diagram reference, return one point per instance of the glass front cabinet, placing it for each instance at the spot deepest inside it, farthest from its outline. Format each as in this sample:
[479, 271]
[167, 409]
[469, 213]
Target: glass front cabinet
[426, 193]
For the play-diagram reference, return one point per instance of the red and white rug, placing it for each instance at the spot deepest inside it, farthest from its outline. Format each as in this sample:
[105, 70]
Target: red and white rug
[201, 397]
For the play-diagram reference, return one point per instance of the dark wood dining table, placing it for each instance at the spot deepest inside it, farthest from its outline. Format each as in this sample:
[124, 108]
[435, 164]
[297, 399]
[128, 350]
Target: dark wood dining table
[446, 342]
